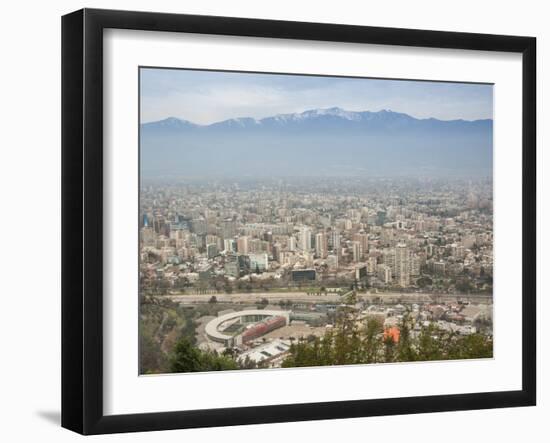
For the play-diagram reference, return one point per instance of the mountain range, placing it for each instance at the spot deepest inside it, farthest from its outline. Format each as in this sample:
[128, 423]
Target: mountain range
[318, 142]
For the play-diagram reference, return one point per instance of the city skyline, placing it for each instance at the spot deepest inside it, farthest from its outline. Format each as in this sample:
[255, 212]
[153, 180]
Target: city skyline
[245, 268]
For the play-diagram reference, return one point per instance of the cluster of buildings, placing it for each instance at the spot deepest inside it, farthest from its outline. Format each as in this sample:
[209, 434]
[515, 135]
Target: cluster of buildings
[457, 317]
[383, 233]
[264, 336]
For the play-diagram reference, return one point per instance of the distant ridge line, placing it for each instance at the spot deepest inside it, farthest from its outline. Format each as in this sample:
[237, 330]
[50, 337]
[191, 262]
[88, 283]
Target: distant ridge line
[311, 113]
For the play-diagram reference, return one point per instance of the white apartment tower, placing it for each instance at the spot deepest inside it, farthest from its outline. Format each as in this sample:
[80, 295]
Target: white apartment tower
[402, 267]
[305, 239]
[321, 245]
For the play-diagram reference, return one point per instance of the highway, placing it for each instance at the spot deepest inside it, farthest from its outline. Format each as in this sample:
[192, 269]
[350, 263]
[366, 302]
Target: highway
[302, 297]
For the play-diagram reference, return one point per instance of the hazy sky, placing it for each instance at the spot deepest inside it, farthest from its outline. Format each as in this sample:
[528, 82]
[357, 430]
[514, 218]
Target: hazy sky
[205, 97]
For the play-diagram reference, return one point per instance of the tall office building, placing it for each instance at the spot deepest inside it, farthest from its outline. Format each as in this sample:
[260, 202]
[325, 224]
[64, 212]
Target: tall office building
[402, 265]
[258, 262]
[277, 250]
[292, 243]
[214, 239]
[228, 228]
[321, 245]
[371, 265]
[380, 218]
[363, 240]
[255, 245]
[384, 273]
[159, 224]
[231, 266]
[356, 251]
[242, 245]
[335, 241]
[230, 245]
[305, 239]
[212, 250]
[415, 265]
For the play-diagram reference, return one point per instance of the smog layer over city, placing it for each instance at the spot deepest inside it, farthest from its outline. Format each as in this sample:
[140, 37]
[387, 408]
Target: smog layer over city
[296, 221]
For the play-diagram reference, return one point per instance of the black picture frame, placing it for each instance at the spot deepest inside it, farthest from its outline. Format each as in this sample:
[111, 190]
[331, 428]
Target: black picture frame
[82, 218]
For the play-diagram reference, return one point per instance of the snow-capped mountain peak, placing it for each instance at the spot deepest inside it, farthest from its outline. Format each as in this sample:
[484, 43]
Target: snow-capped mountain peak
[314, 113]
[320, 119]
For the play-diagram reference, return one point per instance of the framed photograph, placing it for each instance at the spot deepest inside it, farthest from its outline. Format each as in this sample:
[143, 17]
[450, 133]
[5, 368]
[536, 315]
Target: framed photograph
[268, 221]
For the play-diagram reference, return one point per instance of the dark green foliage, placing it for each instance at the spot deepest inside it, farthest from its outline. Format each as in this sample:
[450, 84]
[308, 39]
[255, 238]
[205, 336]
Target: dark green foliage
[389, 349]
[188, 358]
[162, 322]
[424, 281]
[405, 347]
[353, 342]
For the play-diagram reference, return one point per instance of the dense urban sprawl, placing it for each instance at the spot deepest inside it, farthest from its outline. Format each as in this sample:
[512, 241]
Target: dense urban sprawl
[251, 269]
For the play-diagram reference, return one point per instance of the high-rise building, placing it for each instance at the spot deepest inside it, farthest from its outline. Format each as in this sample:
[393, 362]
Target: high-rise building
[258, 262]
[292, 243]
[380, 218]
[277, 249]
[356, 251]
[228, 228]
[332, 261]
[214, 239]
[242, 245]
[415, 265]
[255, 245]
[335, 241]
[321, 245]
[305, 239]
[231, 266]
[384, 273]
[244, 263]
[230, 245]
[211, 250]
[363, 240]
[360, 272]
[159, 224]
[402, 265]
[371, 265]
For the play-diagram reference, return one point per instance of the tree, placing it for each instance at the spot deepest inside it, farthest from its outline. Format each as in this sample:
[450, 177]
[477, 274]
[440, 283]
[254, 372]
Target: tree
[471, 346]
[188, 358]
[151, 358]
[405, 348]
[350, 343]
[463, 285]
[424, 281]
[371, 342]
[185, 357]
[213, 300]
[389, 349]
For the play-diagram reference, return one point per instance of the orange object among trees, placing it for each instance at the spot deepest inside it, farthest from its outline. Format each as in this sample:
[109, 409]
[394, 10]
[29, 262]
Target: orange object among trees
[392, 333]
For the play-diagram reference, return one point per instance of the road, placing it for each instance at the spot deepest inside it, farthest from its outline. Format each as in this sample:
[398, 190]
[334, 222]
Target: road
[297, 297]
